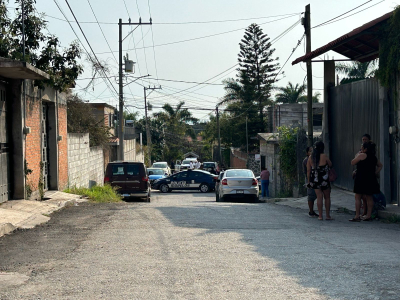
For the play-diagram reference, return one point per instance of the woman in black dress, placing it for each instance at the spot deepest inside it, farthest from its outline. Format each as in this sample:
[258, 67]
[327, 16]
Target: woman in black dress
[365, 183]
[318, 179]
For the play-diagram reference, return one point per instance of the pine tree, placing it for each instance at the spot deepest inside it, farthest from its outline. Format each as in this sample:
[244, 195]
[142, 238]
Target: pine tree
[257, 65]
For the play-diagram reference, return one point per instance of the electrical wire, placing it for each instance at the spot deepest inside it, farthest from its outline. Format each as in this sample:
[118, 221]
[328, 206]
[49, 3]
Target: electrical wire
[341, 15]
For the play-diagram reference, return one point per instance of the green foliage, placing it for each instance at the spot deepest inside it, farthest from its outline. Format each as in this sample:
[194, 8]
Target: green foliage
[42, 50]
[389, 49]
[290, 93]
[288, 153]
[81, 120]
[356, 69]
[99, 194]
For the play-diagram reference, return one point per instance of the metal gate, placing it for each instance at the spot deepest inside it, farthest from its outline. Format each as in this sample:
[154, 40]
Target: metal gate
[45, 143]
[4, 147]
[353, 111]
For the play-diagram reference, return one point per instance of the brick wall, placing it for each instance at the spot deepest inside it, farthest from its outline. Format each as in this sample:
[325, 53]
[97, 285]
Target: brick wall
[238, 159]
[62, 148]
[33, 141]
[86, 164]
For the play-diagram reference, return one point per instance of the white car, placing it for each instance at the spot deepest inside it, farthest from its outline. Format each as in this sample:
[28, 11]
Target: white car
[185, 165]
[237, 183]
[162, 165]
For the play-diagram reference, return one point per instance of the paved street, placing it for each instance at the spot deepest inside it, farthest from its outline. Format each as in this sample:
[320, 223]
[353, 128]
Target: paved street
[187, 246]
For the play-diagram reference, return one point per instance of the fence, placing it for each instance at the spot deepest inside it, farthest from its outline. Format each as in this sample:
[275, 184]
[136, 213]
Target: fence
[353, 111]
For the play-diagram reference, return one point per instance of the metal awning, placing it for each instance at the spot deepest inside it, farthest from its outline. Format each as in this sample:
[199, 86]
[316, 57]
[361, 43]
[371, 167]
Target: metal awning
[361, 44]
[13, 69]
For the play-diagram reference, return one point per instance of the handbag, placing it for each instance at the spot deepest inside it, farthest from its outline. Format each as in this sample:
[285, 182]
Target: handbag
[332, 174]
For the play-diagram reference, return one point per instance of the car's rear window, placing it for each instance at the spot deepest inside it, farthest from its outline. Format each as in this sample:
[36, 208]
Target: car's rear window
[209, 165]
[133, 170]
[239, 173]
[118, 170]
[160, 165]
[155, 171]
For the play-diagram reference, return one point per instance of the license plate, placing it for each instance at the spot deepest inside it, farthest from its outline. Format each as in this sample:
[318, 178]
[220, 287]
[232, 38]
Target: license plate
[125, 195]
[240, 192]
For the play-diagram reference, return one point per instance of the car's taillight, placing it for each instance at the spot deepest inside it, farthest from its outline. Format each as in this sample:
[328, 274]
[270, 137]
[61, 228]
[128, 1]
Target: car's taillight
[255, 182]
[145, 178]
[224, 182]
[106, 179]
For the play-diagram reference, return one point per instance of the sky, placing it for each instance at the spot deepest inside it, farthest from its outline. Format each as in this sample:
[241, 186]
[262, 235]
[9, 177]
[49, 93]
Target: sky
[195, 41]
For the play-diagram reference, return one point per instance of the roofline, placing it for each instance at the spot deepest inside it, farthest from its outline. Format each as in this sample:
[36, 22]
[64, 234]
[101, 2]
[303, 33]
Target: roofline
[342, 39]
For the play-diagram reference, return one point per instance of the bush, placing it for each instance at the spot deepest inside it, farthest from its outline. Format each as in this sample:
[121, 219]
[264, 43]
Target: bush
[99, 194]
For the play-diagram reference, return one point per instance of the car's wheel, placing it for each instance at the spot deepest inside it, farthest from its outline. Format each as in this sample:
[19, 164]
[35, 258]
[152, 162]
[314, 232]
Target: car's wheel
[148, 196]
[222, 199]
[164, 188]
[204, 188]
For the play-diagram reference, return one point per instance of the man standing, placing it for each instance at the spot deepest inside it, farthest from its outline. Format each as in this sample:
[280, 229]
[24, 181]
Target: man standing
[191, 165]
[264, 176]
[198, 165]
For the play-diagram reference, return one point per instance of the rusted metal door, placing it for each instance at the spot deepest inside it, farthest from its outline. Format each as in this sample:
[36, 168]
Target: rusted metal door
[353, 111]
[4, 147]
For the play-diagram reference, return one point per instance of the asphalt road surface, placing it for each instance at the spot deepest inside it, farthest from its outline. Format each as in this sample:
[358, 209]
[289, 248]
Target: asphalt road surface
[187, 246]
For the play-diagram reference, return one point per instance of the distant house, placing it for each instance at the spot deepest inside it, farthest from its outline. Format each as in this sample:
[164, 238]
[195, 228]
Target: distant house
[294, 114]
[106, 114]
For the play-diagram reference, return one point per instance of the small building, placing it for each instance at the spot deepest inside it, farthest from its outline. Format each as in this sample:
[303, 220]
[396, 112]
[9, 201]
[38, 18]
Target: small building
[105, 114]
[33, 133]
[294, 114]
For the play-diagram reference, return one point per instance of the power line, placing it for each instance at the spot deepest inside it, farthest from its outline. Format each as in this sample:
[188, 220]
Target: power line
[341, 15]
[152, 38]
[203, 37]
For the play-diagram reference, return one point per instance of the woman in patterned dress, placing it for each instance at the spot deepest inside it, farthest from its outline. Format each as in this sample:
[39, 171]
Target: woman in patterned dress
[318, 179]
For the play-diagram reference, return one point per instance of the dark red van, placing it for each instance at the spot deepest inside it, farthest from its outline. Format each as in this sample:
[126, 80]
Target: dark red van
[130, 177]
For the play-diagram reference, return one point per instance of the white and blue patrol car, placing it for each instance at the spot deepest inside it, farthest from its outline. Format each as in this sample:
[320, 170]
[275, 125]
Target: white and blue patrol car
[187, 180]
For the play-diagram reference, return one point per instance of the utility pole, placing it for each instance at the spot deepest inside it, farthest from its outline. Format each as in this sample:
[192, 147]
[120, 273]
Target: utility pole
[307, 26]
[148, 134]
[247, 139]
[121, 86]
[219, 137]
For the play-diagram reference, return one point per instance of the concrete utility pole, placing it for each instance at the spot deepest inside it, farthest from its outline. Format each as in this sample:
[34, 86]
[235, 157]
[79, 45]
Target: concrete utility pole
[121, 86]
[148, 134]
[307, 26]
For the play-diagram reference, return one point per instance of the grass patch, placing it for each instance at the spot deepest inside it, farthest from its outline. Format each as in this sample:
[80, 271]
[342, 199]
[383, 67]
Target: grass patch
[99, 194]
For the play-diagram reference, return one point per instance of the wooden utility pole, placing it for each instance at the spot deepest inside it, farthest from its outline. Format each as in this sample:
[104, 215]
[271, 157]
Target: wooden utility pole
[307, 26]
[148, 134]
[219, 138]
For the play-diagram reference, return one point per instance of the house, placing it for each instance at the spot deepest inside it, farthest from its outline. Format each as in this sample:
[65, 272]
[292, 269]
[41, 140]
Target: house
[293, 114]
[33, 133]
[360, 107]
[106, 114]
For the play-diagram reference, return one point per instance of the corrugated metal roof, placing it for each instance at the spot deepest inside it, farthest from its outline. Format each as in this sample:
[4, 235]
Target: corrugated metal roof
[361, 44]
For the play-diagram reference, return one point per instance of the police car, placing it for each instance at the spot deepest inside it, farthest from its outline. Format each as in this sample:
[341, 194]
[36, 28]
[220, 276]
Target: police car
[187, 180]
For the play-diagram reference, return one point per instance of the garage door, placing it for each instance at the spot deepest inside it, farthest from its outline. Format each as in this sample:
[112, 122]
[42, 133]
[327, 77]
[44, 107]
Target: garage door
[4, 147]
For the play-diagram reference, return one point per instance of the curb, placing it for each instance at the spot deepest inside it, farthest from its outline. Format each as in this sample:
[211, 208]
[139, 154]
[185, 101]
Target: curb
[6, 228]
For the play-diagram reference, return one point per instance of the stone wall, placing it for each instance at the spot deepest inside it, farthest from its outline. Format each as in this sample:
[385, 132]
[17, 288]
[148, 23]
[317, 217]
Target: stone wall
[86, 164]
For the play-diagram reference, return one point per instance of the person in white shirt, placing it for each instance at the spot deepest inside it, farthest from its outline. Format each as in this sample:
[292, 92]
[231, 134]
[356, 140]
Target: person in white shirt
[191, 165]
[198, 165]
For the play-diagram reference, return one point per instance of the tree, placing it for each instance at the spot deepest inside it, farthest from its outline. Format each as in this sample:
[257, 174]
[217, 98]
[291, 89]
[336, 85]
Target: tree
[257, 67]
[291, 93]
[81, 120]
[315, 98]
[176, 129]
[357, 70]
[41, 50]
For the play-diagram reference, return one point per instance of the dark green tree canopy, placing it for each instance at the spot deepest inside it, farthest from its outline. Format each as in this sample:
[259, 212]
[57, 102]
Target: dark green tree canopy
[42, 50]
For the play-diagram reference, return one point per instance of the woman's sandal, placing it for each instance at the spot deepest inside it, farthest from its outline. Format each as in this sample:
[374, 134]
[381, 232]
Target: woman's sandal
[355, 219]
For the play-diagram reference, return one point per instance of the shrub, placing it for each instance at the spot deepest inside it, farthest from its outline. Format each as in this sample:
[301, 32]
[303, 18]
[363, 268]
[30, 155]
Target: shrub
[99, 194]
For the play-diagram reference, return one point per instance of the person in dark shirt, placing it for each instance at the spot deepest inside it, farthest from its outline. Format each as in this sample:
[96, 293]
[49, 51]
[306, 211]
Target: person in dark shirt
[264, 176]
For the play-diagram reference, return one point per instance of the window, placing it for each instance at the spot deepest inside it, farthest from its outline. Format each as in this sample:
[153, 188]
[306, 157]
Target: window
[132, 170]
[180, 176]
[239, 173]
[194, 175]
[118, 170]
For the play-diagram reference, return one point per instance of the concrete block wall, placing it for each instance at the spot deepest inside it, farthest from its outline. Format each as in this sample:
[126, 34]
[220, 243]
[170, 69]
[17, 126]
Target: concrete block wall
[86, 165]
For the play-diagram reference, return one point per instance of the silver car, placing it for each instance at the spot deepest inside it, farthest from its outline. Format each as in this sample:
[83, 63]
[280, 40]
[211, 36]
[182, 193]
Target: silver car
[237, 183]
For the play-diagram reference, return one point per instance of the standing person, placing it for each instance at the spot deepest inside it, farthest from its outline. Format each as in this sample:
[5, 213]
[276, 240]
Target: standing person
[264, 176]
[366, 138]
[191, 165]
[311, 196]
[198, 165]
[318, 165]
[172, 167]
[365, 183]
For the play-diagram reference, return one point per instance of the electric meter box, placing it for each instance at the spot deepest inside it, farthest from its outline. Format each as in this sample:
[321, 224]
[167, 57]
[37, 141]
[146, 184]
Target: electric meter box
[129, 66]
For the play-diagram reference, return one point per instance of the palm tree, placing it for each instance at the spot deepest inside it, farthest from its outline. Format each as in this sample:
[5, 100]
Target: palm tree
[315, 98]
[291, 93]
[356, 69]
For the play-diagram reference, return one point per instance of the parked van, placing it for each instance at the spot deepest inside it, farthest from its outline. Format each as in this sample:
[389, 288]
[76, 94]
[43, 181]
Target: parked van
[130, 177]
